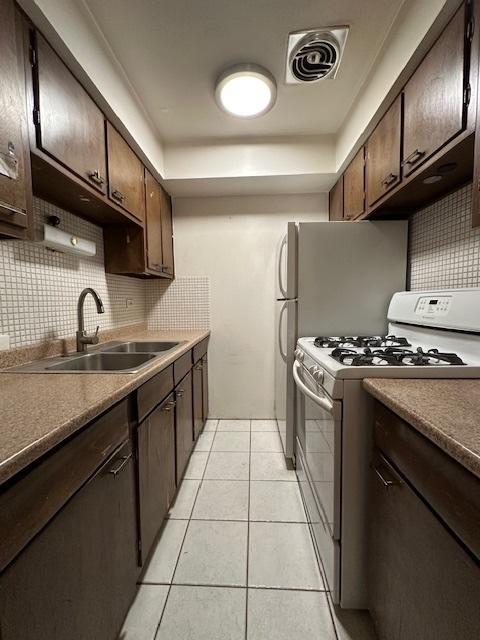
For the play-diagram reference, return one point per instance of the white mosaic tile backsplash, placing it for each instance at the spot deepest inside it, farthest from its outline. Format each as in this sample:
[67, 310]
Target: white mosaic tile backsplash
[444, 249]
[39, 288]
[184, 304]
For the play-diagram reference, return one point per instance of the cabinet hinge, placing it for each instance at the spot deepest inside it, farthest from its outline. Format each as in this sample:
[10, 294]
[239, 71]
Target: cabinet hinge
[36, 116]
[467, 94]
[470, 29]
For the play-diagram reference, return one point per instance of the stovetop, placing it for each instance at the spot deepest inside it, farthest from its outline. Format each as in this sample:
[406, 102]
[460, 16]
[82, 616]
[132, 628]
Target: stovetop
[348, 342]
[395, 356]
[404, 352]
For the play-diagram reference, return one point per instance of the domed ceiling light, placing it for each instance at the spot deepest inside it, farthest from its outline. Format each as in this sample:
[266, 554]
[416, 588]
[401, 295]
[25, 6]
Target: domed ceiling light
[246, 91]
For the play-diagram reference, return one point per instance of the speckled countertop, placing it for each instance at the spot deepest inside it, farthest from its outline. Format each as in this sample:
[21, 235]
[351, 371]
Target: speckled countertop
[445, 411]
[39, 410]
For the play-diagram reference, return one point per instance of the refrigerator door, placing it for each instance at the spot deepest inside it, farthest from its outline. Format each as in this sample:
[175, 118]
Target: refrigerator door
[285, 342]
[347, 274]
[286, 269]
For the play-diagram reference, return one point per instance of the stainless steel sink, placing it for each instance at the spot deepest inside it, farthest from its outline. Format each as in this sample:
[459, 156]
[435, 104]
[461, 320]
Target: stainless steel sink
[103, 362]
[139, 347]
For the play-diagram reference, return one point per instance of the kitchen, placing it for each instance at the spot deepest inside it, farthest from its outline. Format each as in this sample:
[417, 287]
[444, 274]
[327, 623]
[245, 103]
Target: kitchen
[239, 320]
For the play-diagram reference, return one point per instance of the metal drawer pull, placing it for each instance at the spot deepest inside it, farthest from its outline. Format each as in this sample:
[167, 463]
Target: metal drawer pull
[118, 195]
[386, 483]
[123, 461]
[169, 405]
[96, 177]
[389, 179]
[413, 157]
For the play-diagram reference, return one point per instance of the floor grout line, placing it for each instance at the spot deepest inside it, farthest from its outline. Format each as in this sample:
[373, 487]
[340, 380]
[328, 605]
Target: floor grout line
[248, 529]
[232, 586]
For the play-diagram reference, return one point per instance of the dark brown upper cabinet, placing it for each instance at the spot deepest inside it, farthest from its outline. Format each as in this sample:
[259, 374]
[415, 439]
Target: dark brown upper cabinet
[144, 252]
[354, 187]
[335, 201]
[436, 97]
[167, 236]
[125, 175]
[383, 154]
[153, 223]
[15, 183]
[69, 126]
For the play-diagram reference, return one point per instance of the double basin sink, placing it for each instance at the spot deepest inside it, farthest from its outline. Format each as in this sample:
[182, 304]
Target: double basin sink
[123, 357]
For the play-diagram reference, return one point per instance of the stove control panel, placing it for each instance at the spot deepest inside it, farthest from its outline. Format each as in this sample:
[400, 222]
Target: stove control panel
[433, 305]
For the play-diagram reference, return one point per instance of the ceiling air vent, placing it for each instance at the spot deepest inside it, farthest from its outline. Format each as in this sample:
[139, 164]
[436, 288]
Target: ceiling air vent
[315, 54]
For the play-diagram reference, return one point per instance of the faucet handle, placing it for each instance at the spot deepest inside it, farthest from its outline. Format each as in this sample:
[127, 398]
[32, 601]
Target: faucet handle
[96, 330]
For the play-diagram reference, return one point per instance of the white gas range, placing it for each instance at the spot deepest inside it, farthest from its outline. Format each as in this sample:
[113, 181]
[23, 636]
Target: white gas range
[431, 334]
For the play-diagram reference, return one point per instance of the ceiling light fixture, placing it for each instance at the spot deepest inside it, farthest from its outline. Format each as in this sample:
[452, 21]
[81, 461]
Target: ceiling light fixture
[246, 91]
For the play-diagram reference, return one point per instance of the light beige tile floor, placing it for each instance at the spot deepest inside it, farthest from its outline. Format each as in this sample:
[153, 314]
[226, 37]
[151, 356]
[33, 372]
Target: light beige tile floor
[235, 560]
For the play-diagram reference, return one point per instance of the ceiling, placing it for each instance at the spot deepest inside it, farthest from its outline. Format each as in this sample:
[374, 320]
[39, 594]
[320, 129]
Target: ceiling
[172, 51]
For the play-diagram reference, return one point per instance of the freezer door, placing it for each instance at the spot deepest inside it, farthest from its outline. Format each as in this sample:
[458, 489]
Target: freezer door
[285, 342]
[286, 265]
[347, 274]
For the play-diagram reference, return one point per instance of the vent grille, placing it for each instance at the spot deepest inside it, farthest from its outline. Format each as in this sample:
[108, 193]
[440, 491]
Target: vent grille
[314, 55]
[314, 59]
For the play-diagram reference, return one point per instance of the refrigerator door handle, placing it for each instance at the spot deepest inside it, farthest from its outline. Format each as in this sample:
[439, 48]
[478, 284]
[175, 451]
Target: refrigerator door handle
[280, 320]
[279, 266]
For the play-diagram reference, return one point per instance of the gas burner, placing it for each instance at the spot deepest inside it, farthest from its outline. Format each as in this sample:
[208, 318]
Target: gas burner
[367, 358]
[347, 342]
[395, 356]
[430, 358]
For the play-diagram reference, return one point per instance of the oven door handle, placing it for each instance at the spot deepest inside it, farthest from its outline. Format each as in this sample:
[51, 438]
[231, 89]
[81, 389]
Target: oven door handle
[322, 402]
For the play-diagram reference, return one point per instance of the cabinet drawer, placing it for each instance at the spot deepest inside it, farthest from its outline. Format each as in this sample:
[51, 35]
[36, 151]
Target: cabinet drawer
[450, 489]
[28, 503]
[200, 349]
[182, 366]
[150, 394]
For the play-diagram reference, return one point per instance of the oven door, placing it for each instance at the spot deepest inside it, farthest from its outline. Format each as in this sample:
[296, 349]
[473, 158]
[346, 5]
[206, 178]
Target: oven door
[319, 437]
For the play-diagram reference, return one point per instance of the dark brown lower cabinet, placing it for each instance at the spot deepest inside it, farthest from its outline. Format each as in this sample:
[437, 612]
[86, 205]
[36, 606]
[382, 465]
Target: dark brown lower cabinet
[156, 468]
[205, 388]
[423, 583]
[76, 579]
[184, 423]
[197, 399]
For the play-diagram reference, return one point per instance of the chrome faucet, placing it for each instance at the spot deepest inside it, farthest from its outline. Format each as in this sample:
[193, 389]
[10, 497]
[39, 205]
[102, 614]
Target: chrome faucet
[82, 338]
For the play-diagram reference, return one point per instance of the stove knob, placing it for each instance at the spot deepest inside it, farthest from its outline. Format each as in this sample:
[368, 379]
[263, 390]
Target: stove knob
[318, 374]
[299, 355]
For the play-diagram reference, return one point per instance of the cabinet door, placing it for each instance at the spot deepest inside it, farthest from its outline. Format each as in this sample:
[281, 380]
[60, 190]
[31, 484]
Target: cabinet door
[156, 468]
[167, 235]
[153, 223]
[383, 154]
[205, 388]
[434, 97]
[422, 582]
[335, 201]
[77, 578]
[126, 186]
[70, 127]
[14, 178]
[354, 187]
[184, 423]
[197, 399]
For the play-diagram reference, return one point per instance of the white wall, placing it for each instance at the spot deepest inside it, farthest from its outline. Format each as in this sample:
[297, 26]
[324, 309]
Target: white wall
[233, 241]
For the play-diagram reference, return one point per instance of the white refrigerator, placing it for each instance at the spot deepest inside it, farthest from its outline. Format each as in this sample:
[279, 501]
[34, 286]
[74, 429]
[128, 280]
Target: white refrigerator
[333, 278]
